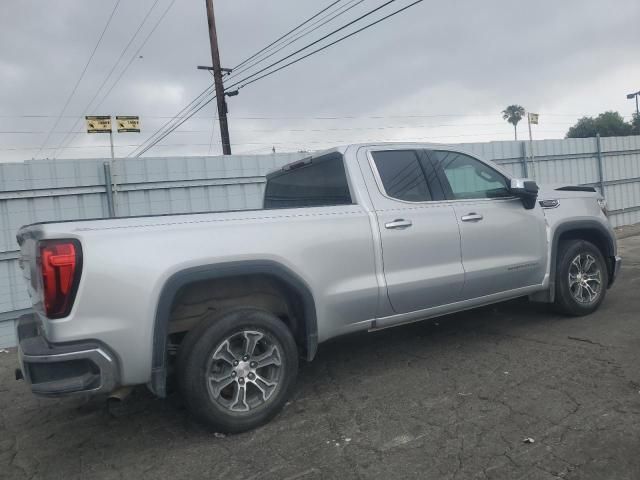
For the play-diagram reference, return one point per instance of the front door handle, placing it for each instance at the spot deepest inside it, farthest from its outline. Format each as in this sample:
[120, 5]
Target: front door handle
[472, 217]
[398, 223]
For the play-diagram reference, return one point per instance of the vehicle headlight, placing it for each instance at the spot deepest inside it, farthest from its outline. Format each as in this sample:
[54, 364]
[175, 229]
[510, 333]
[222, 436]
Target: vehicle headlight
[602, 203]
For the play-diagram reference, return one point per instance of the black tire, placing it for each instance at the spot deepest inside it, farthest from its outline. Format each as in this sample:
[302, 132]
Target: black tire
[565, 298]
[213, 337]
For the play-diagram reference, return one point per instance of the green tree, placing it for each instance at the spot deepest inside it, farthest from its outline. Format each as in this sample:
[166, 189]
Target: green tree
[513, 114]
[607, 124]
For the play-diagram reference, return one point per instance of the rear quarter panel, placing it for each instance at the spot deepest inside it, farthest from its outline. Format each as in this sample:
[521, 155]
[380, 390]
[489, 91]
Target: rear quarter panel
[127, 263]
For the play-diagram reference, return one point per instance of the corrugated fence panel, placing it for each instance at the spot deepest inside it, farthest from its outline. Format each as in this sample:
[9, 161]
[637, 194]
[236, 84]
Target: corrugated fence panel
[619, 163]
[571, 161]
[623, 195]
[43, 190]
[570, 171]
[13, 293]
[50, 174]
[495, 150]
[148, 186]
[146, 170]
[7, 334]
[621, 171]
[50, 190]
[506, 154]
[16, 212]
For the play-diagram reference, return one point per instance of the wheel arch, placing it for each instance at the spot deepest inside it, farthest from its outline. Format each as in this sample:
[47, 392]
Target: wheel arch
[183, 278]
[589, 230]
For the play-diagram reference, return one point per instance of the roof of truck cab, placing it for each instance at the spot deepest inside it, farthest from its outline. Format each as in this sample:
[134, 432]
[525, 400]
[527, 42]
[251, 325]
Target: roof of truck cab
[343, 149]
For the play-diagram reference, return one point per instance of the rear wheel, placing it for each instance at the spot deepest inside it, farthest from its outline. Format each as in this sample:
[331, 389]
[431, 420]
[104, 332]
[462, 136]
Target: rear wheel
[237, 371]
[581, 276]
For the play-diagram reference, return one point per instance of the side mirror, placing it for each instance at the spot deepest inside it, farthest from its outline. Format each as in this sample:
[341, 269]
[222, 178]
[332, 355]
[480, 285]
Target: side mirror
[527, 190]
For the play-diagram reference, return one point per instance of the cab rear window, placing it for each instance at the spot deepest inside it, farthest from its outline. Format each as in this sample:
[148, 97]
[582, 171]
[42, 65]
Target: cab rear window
[314, 182]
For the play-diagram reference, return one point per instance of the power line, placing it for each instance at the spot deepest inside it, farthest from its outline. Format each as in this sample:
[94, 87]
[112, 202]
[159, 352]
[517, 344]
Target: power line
[127, 66]
[144, 42]
[163, 135]
[348, 141]
[108, 76]
[345, 141]
[305, 32]
[176, 126]
[84, 71]
[263, 117]
[285, 35]
[207, 91]
[370, 12]
[135, 55]
[171, 124]
[298, 130]
[243, 82]
[122, 53]
[184, 111]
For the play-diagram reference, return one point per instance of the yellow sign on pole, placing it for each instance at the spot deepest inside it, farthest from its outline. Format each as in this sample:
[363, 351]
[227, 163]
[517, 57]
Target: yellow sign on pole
[128, 124]
[533, 118]
[98, 123]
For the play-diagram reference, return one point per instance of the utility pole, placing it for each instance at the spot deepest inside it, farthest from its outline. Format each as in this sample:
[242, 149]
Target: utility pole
[533, 166]
[217, 80]
[636, 95]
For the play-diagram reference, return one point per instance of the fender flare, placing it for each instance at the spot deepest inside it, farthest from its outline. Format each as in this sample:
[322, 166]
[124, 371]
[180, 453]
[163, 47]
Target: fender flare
[569, 226]
[216, 271]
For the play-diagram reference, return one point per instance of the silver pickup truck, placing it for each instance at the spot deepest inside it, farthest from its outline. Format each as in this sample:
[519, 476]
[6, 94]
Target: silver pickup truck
[355, 238]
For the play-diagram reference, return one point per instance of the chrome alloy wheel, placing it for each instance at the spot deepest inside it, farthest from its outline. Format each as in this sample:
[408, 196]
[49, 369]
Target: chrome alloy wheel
[585, 278]
[244, 371]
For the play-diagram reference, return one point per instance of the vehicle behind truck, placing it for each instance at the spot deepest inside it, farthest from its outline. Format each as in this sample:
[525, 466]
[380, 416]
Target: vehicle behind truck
[356, 238]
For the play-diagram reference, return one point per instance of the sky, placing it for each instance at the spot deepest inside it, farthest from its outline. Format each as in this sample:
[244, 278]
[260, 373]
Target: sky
[437, 72]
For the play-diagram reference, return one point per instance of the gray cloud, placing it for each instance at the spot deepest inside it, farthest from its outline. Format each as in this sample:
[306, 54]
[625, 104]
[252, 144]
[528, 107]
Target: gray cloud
[466, 59]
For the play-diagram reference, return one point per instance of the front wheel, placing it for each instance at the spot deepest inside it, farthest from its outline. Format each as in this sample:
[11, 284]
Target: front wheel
[237, 371]
[581, 278]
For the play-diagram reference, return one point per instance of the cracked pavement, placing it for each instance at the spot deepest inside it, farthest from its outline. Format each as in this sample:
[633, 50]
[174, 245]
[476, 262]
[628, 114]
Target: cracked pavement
[449, 398]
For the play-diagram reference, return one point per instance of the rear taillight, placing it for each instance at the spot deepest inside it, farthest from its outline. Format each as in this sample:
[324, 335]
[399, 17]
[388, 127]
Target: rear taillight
[60, 267]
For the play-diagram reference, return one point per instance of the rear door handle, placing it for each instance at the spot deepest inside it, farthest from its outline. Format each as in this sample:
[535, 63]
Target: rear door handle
[398, 223]
[472, 217]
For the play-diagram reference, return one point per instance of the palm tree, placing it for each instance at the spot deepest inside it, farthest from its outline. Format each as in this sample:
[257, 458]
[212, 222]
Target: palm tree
[513, 114]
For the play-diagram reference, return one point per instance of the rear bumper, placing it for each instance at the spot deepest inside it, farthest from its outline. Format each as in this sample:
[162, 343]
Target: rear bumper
[63, 369]
[616, 263]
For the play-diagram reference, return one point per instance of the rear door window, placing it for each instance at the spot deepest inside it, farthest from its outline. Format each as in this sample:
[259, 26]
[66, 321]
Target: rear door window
[402, 175]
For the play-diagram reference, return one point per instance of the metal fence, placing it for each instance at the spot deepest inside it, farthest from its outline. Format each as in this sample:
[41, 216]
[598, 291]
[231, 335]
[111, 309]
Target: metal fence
[43, 190]
[611, 164]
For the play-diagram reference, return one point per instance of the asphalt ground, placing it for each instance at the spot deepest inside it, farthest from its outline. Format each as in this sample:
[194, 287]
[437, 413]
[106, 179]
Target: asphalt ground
[451, 398]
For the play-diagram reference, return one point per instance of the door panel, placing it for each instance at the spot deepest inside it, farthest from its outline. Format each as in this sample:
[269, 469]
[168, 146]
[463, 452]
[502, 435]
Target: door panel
[504, 245]
[422, 264]
[504, 250]
[419, 232]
